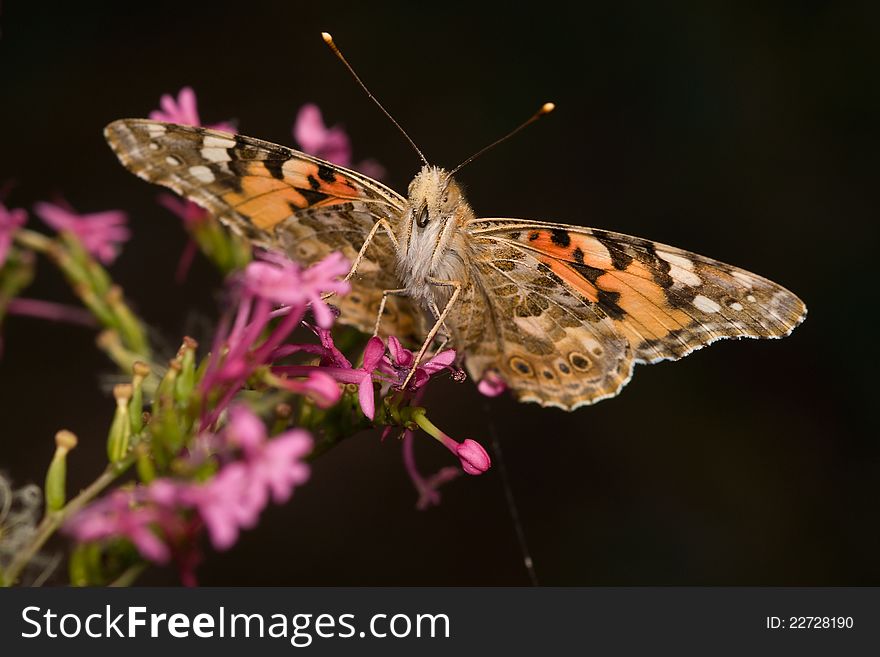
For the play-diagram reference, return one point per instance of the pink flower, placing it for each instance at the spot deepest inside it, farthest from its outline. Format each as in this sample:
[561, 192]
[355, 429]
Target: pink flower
[401, 361]
[227, 503]
[474, 459]
[245, 430]
[315, 138]
[120, 515]
[153, 516]
[235, 497]
[10, 221]
[241, 344]
[283, 282]
[331, 144]
[101, 233]
[318, 386]
[184, 110]
[373, 354]
[427, 488]
[491, 384]
[279, 466]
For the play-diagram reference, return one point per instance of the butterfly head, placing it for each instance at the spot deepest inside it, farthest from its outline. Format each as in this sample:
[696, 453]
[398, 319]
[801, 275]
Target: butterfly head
[434, 200]
[431, 242]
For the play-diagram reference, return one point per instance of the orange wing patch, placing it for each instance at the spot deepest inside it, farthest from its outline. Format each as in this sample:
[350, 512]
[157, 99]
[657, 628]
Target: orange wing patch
[268, 200]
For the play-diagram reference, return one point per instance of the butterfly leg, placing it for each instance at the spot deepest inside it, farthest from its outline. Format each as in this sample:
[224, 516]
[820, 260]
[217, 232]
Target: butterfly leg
[456, 290]
[382, 223]
[400, 292]
[446, 335]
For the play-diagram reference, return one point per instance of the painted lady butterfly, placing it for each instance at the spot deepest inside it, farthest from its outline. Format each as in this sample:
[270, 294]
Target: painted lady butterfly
[560, 313]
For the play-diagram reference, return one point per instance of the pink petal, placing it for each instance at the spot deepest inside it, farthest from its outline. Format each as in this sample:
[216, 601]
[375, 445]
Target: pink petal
[440, 361]
[403, 357]
[186, 101]
[491, 384]
[366, 396]
[309, 129]
[245, 428]
[54, 216]
[373, 353]
[149, 545]
[316, 139]
[323, 389]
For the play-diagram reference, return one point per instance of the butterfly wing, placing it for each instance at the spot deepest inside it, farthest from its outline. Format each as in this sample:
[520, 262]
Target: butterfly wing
[278, 198]
[638, 300]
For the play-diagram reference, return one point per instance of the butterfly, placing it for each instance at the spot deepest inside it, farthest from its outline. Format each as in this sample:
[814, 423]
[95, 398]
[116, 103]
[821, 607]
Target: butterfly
[560, 313]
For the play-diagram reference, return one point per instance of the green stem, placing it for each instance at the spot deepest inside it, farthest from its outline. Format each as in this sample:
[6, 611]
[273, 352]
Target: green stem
[418, 416]
[129, 575]
[33, 240]
[53, 520]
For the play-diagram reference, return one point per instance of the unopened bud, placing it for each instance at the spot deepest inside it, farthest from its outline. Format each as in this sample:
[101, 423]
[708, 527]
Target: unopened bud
[120, 430]
[186, 381]
[140, 371]
[56, 476]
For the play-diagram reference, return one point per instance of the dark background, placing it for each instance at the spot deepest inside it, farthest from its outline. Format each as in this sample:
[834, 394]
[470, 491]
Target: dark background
[742, 130]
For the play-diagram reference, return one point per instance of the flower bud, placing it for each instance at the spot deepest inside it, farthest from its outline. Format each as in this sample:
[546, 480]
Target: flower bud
[56, 477]
[186, 379]
[474, 459]
[146, 469]
[491, 384]
[120, 430]
[140, 371]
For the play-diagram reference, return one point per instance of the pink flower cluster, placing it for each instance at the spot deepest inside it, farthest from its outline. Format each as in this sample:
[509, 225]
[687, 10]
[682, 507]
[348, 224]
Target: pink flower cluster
[331, 144]
[157, 518]
[100, 233]
[269, 288]
[184, 110]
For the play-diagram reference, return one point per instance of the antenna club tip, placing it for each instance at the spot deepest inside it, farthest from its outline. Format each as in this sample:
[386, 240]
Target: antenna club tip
[328, 38]
[546, 108]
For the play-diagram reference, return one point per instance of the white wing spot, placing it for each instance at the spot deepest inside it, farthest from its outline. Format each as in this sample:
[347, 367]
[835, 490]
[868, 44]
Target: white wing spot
[154, 146]
[706, 304]
[676, 259]
[684, 276]
[155, 129]
[212, 141]
[173, 161]
[736, 305]
[750, 298]
[681, 269]
[202, 173]
[215, 154]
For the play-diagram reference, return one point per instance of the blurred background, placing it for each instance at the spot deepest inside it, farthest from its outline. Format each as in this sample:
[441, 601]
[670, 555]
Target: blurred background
[742, 130]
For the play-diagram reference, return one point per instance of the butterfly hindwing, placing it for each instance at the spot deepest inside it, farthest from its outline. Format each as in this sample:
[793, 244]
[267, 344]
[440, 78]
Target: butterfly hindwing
[544, 339]
[278, 198]
[665, 302]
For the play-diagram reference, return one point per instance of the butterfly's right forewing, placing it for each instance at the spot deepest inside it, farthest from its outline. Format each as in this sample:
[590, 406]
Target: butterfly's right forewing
[278, 198]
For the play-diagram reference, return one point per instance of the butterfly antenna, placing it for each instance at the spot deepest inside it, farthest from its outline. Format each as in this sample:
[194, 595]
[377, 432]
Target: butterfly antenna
[546, 108]
[329, 41]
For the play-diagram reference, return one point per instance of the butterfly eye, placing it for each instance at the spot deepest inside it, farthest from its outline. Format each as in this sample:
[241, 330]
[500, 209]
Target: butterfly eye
[445, 200]
[424, 217]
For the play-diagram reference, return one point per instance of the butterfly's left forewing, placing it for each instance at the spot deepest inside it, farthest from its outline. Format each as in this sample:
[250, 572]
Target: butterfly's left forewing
[278, 198]
[663, 301]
